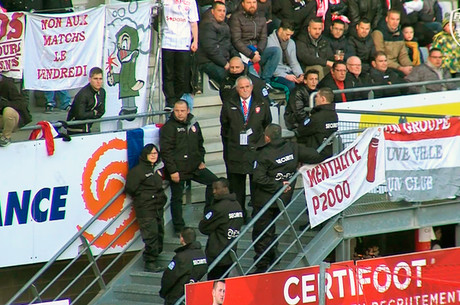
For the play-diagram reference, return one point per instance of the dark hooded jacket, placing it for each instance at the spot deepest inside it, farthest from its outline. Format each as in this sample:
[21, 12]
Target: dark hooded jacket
[145, 184]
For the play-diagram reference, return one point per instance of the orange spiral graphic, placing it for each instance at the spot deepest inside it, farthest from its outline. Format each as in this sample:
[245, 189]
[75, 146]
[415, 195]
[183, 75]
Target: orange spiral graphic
[106, 185]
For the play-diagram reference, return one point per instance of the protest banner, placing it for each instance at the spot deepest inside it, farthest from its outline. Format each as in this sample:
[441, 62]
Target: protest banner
[422, 161]
[11, 44]
[334, 184]
[65, 48]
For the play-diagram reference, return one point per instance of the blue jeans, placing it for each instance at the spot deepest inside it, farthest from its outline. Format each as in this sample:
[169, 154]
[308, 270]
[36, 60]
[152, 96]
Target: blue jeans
[62, 95]
[214, 71]
[268, 63]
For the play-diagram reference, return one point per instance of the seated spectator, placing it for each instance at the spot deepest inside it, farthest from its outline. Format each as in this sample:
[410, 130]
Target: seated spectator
[299, 101]
[249, 37]
[449, 49]
[361, 44]
[338, 41]
[313, 50]
[237, 69]
[321, 123]
[388, 39]
[330, 10]
[298, 11]
[412, 45]
[381, 74]
[337, 80]
[14, 111]
[89, 103]
[288, 72]
[431, 70]
[357, 78]
[370, 10]
[215, 46]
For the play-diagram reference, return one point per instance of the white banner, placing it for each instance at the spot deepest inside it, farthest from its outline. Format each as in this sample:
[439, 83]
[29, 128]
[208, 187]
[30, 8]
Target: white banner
[12, 43]
[422, 161]
[334, 184]
[62, 49]
[45, 200]
[126, 58]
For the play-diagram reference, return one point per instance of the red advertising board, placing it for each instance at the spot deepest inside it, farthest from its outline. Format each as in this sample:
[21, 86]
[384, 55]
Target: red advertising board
[423, 278]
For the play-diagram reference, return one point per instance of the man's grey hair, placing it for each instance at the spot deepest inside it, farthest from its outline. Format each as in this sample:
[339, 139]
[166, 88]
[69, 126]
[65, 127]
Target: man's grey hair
[241, 78]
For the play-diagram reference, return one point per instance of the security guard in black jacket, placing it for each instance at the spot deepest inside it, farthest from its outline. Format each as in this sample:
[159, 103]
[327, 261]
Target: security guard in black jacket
[322, 122]
[189, 265]
[144, 184]
[243, 120]
[222, 223]
[276, 163]
[183, 152]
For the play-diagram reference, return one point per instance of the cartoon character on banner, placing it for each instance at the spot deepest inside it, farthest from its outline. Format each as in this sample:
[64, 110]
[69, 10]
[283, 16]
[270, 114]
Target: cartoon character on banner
[127, 44]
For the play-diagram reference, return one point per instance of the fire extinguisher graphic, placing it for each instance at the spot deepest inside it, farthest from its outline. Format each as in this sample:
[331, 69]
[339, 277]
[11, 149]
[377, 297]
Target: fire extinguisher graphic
[372, 158]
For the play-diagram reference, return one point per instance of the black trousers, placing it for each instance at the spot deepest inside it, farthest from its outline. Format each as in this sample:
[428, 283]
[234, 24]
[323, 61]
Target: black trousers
[151, 225]
[176, 74]
[267, 238]
[203, 176]
[238, 186]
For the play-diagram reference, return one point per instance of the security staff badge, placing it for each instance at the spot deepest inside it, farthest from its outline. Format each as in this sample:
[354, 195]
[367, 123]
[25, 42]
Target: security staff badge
[257, 109]
[193, 128]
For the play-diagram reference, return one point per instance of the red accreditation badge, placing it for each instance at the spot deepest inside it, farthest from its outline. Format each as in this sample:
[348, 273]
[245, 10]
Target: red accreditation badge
[257, 109]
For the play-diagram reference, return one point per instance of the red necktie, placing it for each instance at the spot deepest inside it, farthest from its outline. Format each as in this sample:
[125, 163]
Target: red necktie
[245, 109]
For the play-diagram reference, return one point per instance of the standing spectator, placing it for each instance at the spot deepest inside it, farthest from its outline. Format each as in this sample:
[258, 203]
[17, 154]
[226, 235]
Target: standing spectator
[430, 22]
[183, 152]
[357, 77]
[243, 119]
[449, 48]
[337, 80]
[313, 50]
[431, 70]
[235, 70]
[249, 37]
[144, 184]
[361, 44]
[370, 10]
[381, 74]
[222, 223]
[297, 11]
[412, 45]
[388, 39]
[322, 122]
[179, 37]
[288, 71]
[299, 101]
[216, 47]
[275, 164]
[187, 266]
[62, 95]
[89, 103]
[14, 111]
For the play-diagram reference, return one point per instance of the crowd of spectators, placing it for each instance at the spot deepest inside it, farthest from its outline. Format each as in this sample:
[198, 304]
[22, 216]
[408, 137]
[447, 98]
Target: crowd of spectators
[280, 45]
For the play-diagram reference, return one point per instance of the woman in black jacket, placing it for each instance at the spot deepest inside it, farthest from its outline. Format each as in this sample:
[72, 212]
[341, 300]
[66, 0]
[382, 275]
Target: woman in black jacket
[144, 184]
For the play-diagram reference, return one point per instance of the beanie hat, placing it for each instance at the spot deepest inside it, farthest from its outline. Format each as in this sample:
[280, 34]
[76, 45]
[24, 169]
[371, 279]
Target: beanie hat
[445, 21]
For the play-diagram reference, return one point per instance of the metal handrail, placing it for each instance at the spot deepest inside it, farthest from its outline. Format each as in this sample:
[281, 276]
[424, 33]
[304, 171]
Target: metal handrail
[387, 87]
[283, 211]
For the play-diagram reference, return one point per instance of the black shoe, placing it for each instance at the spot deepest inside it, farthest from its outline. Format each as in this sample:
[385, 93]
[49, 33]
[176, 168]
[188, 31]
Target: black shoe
[49, 108]
[153, 267]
